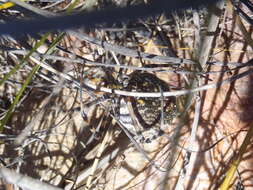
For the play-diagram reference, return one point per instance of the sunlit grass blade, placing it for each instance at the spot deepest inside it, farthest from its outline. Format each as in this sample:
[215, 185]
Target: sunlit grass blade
[7, 5]
[24, 60]
[230, 173]
[18, 96]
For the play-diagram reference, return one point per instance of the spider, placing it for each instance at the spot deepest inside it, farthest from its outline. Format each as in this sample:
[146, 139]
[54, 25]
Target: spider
[142, 117]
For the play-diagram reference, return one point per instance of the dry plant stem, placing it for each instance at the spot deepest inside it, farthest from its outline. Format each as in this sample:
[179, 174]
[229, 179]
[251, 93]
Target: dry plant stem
[197, 28]
[184, 170]
[211, 31]
[162, 68]
[187, 158]
[23, 181]
[104, 162]
[174, 143]
[38, 118]
[52, 5]
[234, 165]
[88, 62]
[96, 161]
[203, 56]
[76, 84]
[129, 52]
[116, 60]
[162, 106]
[32, 8]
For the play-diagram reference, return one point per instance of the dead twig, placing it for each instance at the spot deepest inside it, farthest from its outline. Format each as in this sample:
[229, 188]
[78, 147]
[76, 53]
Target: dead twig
[25, 182]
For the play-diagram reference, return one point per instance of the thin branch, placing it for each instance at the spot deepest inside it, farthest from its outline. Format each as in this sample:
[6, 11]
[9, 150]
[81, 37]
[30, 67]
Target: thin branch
[143, 94]
[130, 52]
[156, 68]
[23, 181]
[187, 158]
[84, 60]
[206, 46]
[32, 8]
